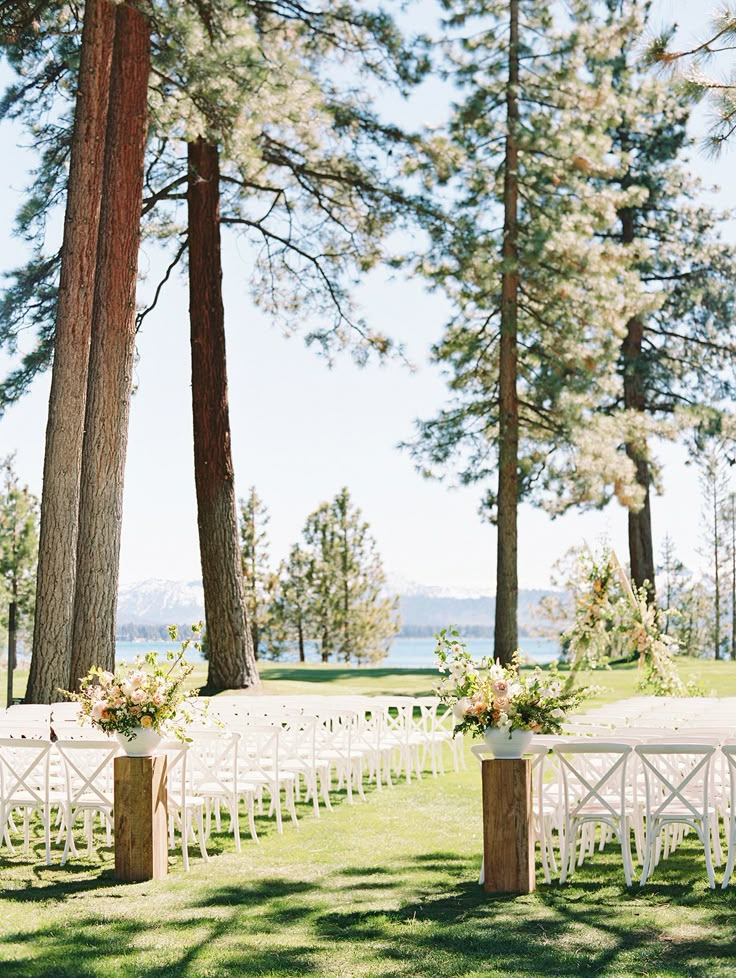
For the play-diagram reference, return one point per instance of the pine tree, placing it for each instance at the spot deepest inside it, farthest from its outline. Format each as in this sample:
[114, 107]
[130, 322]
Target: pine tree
[353, 618]
[318, 205]
[259, 580]
[533, 341]
[676, 361]
[291, 611]
[71, 317]
[18, 550]
[112, 350]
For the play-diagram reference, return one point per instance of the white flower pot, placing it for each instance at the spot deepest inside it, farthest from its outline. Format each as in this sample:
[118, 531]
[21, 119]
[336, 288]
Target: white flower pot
[142, 743]
[506, 746]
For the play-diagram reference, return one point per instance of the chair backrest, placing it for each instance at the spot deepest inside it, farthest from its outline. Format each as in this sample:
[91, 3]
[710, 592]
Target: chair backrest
[26, 730]
[88, 770]
[212, 761]
[677, 775]
[260, 749]
[177, 786]
[24, 771]
[593, 777]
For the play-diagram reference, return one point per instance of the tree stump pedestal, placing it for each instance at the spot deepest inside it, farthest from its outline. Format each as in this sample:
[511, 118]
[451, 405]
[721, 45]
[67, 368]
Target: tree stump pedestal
[508, 826]
[141, 843]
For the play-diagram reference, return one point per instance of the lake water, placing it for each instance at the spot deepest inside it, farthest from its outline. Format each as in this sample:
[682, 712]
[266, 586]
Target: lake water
[406, 653]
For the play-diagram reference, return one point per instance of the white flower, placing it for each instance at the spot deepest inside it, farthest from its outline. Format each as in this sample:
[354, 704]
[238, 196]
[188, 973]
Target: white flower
[456, 649]
[496, 671]
[461, 708]
[558, 714]
[457, 669]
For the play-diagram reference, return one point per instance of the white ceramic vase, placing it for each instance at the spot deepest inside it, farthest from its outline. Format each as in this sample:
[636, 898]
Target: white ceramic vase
[142, 743]
[505, 746]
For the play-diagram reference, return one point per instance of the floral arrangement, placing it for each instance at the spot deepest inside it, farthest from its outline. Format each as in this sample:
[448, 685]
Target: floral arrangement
[149, 693]
[612, 615]
[487, 694]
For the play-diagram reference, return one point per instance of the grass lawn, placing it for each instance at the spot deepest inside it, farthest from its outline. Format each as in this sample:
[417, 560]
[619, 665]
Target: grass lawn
[381, 889]
[716, 678]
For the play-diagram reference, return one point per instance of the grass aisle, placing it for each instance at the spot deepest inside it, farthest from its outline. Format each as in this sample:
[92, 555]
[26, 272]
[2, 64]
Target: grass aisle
[382, 889]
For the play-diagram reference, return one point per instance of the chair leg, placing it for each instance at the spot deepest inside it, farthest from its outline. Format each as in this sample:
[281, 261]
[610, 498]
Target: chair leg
[708, 859]
[731, 852]
[200, 826]
[649, 844]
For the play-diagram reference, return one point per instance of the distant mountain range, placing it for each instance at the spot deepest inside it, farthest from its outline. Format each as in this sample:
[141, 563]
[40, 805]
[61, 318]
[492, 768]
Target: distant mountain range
[424, 610]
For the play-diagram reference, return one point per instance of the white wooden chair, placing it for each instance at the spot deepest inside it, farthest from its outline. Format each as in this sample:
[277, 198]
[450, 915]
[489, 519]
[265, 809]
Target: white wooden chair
[24, 786]
[594, 791]
[87, 788]
[678, 780]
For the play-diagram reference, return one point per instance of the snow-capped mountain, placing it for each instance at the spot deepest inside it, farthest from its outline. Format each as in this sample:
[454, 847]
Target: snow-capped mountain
[398, 584]
[156, 602]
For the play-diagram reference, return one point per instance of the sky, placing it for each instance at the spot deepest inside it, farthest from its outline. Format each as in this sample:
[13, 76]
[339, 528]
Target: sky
[302, 429]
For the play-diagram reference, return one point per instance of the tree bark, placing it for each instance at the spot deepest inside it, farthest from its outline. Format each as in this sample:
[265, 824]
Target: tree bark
[300, 634]
[232, 662]
[641, 546]
[112, 349]
[56, 575]
[506, 635]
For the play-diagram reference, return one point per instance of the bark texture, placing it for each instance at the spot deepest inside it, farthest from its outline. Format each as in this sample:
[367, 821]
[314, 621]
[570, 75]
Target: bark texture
[232, 662]
[112, 349]
[641, 545]
[506, 636]
[52, 638]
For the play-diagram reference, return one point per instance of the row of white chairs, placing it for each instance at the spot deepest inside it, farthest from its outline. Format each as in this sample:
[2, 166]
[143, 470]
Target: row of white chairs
[260, 746]
[659, 788]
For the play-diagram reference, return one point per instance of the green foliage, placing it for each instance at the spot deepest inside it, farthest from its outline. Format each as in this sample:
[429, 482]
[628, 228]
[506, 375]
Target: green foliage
[18, 550]
[575, 288]
[291, 609]
[259, 581]
[310, 169]
[350, 616]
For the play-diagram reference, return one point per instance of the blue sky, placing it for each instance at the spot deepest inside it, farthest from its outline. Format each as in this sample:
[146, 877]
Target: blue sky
[302, 430]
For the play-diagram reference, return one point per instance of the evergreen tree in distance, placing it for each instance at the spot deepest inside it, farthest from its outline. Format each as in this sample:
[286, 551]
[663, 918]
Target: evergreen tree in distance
[258, 579]
[18, 550]
[351, 618]
[291, 613]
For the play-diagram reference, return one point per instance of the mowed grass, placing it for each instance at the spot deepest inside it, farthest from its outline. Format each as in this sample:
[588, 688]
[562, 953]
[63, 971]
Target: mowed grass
[385, 888]
[618, 682]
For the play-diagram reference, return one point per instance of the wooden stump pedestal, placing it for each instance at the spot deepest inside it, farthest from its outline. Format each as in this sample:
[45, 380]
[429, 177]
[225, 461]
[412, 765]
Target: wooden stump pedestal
[141, 843]
[508, 836]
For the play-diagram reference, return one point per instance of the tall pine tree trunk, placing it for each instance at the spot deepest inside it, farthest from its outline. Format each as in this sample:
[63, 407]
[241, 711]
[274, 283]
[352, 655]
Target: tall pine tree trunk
[641, 546]
[57, 554]
[507, 587]
[112, 349]
[232, 662]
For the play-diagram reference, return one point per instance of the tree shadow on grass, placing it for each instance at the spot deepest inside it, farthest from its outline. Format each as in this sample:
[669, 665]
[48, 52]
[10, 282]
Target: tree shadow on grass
[407, 917]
